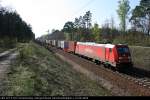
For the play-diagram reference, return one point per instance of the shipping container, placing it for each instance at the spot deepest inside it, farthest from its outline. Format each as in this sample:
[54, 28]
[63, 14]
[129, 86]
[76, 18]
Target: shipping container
[72, 46]
[59, 44]
[64, 45]
[53, 42]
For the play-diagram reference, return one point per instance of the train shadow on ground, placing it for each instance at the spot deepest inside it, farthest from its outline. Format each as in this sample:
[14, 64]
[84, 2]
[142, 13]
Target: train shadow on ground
[137, 72]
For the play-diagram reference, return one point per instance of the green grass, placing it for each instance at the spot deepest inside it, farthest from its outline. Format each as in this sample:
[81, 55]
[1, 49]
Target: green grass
[38, 72]
[141, 56]
[2, 49]
[7, 43]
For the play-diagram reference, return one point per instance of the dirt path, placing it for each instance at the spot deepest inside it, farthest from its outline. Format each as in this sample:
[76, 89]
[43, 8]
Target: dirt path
[6, 59]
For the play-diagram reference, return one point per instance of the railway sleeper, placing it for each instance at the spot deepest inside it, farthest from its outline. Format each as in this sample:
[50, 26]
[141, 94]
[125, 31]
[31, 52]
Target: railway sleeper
[97, 62]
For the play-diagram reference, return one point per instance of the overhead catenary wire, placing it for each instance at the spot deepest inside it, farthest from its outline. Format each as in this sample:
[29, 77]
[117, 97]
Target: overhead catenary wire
[83, 7]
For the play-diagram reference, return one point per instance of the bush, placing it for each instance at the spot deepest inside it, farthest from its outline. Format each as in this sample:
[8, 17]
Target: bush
[138, 39]
[26, 51]
[7, 42]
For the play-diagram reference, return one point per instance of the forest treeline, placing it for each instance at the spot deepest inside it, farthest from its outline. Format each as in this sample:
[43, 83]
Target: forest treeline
[81, 29]
[13, 29]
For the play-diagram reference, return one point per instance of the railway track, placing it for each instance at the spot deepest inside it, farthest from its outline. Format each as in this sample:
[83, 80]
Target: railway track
[140, 78]
[137, 78]
[138, 83]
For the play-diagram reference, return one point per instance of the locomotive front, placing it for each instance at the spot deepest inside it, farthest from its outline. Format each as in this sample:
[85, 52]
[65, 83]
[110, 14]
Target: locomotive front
[123, 56]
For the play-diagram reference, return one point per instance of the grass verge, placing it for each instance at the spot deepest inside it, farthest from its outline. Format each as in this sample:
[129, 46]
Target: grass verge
[38, 72]
[141, 57]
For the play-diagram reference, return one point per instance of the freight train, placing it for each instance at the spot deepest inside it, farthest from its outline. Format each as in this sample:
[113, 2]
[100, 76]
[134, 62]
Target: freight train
[116, 56]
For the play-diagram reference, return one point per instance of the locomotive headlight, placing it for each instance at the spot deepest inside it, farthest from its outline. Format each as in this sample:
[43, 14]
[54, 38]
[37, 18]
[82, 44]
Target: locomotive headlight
[129, 58]
[120, 58]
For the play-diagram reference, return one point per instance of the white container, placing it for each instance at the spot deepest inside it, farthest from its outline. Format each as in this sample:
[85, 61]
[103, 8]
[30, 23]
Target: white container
[59, 44]
[64, 44]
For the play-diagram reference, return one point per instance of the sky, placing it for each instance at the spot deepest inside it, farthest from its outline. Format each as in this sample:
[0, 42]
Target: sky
[44, 15]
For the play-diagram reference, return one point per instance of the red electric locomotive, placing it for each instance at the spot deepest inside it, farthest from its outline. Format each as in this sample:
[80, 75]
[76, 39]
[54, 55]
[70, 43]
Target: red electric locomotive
[117, 56]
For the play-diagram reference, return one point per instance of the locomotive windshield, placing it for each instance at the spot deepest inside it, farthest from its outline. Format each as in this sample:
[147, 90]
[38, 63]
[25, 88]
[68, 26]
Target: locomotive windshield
[123, 50]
